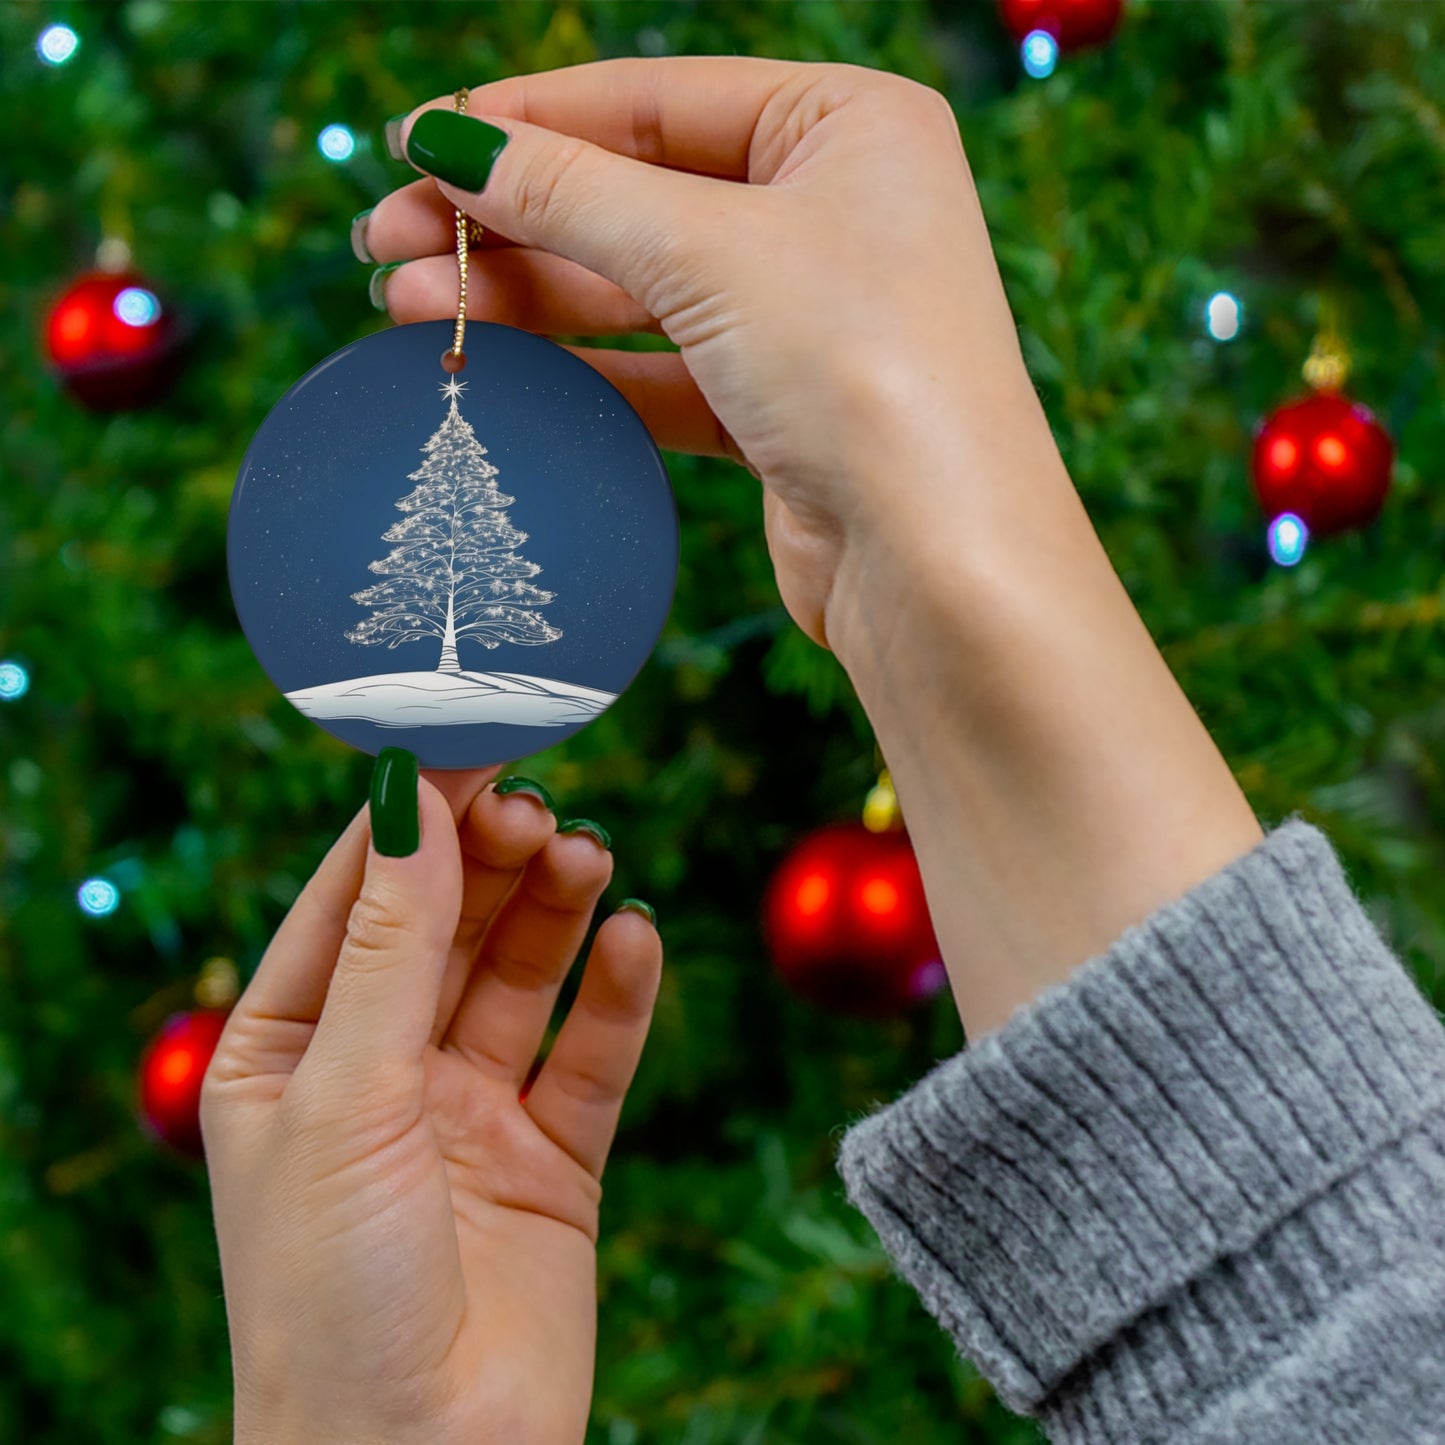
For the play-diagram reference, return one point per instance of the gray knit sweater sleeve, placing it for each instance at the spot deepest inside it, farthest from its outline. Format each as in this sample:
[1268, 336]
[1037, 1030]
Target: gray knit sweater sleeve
[1196, 1192]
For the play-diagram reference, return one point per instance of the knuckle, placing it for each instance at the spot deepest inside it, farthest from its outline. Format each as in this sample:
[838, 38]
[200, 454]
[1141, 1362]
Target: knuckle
[648, 140]
[924, 101]
[409, 297]
[845, 77]
[498, 1133]
[941, 109]
[543, 186]
[334, 1099]
[230, 1065]
[374, 933]
[210, 1102]
[213, 1085]
[587, 1086]
[521, 970]
[298, 1116]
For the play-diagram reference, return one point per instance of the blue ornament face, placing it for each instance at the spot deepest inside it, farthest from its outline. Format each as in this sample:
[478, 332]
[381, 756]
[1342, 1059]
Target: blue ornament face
[470, 567]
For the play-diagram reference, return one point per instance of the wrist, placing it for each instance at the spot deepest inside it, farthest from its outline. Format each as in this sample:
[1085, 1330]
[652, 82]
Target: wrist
[1056, 782]
[955, 502]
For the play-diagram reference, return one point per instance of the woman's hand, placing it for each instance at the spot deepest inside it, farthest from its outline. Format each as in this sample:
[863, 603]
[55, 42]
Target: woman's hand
[831, 313]
[408, 1247]
[810, 237]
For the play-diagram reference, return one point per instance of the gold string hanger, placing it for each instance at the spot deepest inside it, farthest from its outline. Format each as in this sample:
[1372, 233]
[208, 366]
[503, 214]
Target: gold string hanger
[469, 233]
[1328, 366]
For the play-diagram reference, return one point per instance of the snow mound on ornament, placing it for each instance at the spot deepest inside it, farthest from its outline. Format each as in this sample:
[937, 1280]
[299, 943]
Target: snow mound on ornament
[424, 699]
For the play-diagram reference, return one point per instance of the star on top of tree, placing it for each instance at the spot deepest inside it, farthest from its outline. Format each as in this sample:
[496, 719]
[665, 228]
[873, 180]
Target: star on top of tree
[454, 388]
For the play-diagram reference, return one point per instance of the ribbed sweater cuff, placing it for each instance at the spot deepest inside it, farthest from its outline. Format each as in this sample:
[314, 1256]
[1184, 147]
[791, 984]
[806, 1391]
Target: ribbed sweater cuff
[1140, 1167]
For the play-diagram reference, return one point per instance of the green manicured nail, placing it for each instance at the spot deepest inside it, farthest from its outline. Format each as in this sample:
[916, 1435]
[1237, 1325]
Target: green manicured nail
[376, 287]
[393, 136]
[395, 821]
[586, 825]
[455, 148]
[636, 905]
[528, 786]
[359, 247]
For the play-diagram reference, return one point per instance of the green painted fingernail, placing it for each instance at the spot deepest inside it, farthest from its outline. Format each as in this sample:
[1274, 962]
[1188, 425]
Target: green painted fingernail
[528, 786]
[586, 825]
[393, 136]
[636, 905]
[359, 248]
[395, 820]
[455, 148]
[376, 287]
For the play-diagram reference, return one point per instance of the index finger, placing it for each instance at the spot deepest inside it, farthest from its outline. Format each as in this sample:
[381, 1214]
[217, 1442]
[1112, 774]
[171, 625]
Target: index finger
[696, 113]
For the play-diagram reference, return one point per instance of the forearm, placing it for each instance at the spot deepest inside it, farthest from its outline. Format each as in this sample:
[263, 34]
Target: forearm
[1057, 784]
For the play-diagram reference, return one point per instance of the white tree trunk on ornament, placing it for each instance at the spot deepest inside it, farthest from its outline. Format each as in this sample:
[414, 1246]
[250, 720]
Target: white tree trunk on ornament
[449, 641]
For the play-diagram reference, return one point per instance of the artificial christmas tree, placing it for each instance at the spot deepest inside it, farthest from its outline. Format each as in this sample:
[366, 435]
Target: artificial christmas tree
[1269, 150]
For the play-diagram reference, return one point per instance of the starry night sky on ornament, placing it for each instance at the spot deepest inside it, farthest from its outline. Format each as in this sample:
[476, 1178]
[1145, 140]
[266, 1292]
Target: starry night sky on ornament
[319, 485]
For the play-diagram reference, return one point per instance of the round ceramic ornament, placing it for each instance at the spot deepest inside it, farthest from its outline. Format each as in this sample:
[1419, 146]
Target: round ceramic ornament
[472, 566]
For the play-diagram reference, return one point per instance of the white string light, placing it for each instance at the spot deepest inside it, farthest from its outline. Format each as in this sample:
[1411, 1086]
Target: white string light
[336, 143]
[1288, 538]
[57, 44]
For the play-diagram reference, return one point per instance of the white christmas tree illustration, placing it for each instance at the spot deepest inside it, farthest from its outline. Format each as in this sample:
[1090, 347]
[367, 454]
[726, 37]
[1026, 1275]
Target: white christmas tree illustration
[453, 571]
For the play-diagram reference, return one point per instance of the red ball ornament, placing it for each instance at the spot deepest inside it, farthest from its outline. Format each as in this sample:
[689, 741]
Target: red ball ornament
[1324, 458]
[171, 1071]
[112, 341]
[1073, 23]
[847, 924]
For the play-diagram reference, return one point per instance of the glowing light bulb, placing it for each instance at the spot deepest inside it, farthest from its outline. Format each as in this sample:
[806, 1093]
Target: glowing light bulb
[14, 681]
[1288, 537]
[98, 897]
[57, 44]
[1040, 52]
[137, 307]
[336, 143]
[1223, 316]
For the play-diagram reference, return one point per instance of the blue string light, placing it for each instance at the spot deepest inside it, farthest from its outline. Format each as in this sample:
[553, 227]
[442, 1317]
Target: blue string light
[98, 897]
[1288, 537]
[14, 681]
[57, 44]
[137, 307]
[1040, 52]
[336, 143]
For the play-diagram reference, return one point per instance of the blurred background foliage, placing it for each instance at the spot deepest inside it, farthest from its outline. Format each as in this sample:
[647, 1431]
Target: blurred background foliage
[1284, 152]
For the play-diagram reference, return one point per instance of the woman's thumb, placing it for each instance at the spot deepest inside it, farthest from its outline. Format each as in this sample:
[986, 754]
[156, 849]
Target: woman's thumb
[621, 218]
[382, 999]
